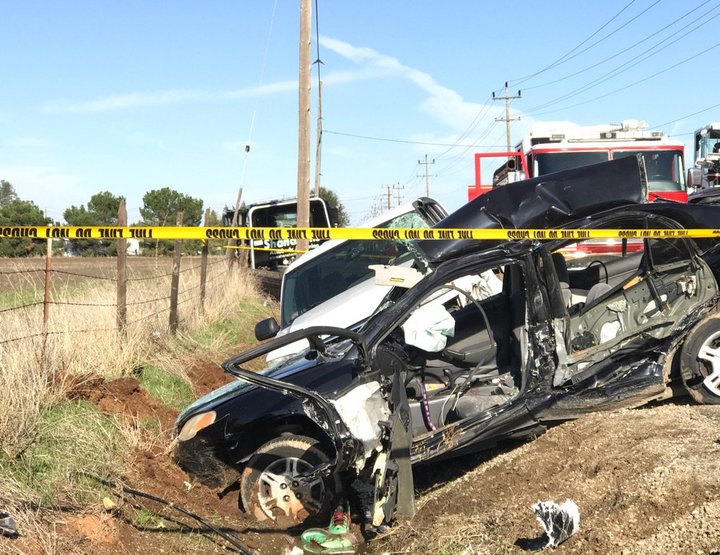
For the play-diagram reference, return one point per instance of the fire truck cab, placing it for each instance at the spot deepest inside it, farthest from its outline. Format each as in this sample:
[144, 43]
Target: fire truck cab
[557, 146]
[706, 172]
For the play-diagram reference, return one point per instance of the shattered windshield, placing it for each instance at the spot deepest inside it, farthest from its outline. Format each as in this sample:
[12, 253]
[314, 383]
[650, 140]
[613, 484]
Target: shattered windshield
[342, 267]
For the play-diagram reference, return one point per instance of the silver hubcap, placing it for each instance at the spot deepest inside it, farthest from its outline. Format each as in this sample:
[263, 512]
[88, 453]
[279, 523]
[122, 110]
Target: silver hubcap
[282, 493]
[710, 353]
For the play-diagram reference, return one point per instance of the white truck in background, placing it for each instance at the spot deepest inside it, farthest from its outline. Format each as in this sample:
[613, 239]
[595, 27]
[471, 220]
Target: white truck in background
[333, 284]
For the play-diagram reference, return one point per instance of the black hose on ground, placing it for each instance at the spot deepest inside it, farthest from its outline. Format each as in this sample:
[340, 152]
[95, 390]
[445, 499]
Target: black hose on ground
[227, 537]
[137, 493]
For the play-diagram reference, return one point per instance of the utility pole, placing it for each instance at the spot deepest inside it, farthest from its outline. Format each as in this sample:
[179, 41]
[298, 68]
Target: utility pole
[388, 195]
[318, 145]
[507, 119]
[303, 173]
[398, 197]
[427, 175]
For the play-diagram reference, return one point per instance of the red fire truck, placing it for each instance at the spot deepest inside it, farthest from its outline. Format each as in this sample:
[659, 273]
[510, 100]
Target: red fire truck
[556, 146]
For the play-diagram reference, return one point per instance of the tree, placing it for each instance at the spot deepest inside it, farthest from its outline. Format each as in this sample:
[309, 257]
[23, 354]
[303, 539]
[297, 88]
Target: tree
[105, 206]
[7, 192]
[338, 215]
[161, 205]
[160, 208]
[102, 209]
[21, 212]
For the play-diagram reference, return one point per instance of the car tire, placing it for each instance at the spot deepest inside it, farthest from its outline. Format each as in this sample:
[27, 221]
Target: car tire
[700, 362]
[269, 491]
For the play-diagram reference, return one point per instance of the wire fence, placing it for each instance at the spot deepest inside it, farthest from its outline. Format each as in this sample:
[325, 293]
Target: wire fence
[42, 297]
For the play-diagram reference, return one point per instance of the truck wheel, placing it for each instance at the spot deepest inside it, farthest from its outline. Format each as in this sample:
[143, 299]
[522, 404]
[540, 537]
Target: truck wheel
[700, 363]
[270, 487]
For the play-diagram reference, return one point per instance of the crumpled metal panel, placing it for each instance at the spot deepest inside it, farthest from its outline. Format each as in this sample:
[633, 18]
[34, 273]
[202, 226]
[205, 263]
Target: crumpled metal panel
[547, 201]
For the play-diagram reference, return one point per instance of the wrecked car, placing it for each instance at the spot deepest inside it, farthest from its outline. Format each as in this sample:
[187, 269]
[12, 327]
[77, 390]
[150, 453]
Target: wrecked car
[438, 371]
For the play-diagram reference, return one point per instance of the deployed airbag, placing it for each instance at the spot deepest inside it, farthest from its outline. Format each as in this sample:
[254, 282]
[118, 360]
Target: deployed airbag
[429, 327]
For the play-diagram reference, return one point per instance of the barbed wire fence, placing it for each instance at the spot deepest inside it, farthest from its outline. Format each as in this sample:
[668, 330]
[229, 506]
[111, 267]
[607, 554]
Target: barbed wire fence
[38, 283]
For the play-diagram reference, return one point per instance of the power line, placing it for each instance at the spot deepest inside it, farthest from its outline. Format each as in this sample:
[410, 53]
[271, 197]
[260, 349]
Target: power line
[624, 50]
[623, 67]
[565, 57]
[473, 125]
[685, 117]
[370, 138]
[693, 57]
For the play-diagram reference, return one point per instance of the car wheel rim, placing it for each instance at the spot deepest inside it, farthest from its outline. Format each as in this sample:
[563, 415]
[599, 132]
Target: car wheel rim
[282, 492]
[709, 353]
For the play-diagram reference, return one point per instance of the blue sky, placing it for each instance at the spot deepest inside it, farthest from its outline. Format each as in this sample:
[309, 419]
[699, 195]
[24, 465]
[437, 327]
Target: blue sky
[130, 96]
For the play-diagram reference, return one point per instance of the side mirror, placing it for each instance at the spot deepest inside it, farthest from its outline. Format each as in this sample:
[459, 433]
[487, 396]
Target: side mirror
[265, 329]
[694, 178]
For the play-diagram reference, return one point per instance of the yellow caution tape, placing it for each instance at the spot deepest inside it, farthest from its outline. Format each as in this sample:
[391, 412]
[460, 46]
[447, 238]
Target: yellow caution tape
[247, 248]
[323, 233]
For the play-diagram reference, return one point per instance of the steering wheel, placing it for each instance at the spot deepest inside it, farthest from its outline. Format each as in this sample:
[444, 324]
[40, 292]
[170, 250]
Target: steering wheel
[601, 263]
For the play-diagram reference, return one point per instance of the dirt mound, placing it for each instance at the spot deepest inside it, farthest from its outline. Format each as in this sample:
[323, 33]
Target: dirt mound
[121, 397]
[644, 480]
[206, 377]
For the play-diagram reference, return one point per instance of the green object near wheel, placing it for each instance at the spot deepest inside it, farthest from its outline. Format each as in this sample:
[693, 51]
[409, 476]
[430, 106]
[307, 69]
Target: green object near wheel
[336, 538]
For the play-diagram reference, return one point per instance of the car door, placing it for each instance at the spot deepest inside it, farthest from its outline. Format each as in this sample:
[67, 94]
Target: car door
[640, 292]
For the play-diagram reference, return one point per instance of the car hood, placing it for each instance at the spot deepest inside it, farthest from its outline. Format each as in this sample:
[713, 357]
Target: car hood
[281, 371]
[542, 202]
[341, 344]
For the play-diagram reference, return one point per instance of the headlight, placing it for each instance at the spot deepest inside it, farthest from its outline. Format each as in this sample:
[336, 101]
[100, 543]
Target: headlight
[195, 424]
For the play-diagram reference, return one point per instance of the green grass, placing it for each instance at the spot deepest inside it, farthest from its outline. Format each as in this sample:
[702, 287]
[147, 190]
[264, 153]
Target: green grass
[11, 299]
[169, 389]
[75, 445]
[26, 293]
[147, 518]
[237, 328]
[151, 424]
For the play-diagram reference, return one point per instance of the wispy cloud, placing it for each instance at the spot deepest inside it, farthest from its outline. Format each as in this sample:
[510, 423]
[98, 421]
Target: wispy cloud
[441, 103]
[466, 122]
[376, 66]
[135, 100]
[26, 142]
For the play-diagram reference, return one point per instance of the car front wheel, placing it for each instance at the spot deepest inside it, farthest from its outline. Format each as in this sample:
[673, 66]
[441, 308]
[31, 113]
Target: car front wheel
[273, 486]
[700, 362]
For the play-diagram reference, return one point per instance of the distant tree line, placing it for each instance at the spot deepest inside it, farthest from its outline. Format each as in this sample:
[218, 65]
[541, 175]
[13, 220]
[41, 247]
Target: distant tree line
[159, 208]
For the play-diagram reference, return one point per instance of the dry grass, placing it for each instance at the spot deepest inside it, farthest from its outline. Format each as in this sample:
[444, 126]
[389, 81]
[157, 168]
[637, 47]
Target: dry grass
[47, 443]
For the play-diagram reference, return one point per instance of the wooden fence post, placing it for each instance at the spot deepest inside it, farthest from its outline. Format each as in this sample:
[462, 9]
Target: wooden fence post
[175, 283]
[235, 254]
[203, 264]
[121, 310]
[46, 298]
[48, 272]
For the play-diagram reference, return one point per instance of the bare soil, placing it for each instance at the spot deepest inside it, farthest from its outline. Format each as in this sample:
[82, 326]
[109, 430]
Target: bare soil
[645, 481]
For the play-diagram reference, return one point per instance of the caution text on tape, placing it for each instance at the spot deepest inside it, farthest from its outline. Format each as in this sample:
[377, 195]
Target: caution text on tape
[315, 234]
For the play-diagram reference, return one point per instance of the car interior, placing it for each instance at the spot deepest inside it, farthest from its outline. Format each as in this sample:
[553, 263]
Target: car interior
[478, 364]
[617, 293]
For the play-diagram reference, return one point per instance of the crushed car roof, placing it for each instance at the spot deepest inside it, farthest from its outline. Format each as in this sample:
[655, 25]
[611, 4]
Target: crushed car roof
[542, 202]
